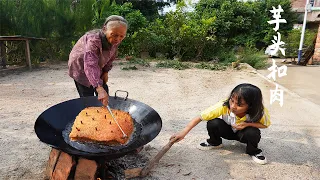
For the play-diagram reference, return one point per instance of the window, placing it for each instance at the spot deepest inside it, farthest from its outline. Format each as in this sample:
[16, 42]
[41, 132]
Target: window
[312, 3]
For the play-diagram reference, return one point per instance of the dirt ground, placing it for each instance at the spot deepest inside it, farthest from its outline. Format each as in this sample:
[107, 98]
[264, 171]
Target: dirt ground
[299, 79]
[291, 144]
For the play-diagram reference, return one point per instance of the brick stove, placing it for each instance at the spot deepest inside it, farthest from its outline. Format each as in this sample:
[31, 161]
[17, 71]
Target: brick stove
[62, 166]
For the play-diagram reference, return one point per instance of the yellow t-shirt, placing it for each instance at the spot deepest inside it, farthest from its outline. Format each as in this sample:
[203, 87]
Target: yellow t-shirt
[218, 110]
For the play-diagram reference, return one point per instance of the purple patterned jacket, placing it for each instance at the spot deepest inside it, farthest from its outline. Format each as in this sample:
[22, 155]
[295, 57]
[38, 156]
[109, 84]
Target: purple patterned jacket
[89, 59]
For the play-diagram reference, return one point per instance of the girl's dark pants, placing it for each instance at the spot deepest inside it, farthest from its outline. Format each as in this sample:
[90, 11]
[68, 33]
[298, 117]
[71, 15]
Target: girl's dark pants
[218, 128]
[85, 91]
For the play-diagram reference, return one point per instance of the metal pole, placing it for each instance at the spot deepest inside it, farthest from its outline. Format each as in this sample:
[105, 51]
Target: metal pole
[303, 30]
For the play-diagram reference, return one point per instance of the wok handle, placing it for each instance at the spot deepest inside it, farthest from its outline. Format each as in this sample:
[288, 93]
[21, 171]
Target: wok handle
[115, 94]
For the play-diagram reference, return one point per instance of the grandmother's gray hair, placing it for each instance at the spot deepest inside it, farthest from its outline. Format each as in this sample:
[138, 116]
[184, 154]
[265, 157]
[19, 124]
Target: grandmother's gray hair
[115, 20]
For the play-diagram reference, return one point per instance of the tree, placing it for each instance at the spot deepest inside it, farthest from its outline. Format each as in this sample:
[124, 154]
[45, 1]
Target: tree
[292, 41]
[149, 8]
[240, 23]
[264, 32]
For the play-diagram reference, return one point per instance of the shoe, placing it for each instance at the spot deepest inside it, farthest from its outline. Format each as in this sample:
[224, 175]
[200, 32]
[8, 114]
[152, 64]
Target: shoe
[259, 158]
[206, 146]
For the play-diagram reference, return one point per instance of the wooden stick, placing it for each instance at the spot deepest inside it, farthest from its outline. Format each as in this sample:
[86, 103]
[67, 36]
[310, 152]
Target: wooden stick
[156, 159]
[28, 54]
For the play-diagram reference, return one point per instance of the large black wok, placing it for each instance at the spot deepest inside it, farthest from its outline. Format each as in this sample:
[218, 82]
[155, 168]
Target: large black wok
[54, 124]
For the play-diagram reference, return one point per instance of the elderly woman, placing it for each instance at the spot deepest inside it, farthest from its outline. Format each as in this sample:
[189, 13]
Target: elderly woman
[91, 58]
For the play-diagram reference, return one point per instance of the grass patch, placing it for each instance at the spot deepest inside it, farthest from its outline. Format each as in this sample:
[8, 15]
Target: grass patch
[139, 61]
[256, 59]
[133, 63]
[173, 64]
[127, 68]
[209, 66]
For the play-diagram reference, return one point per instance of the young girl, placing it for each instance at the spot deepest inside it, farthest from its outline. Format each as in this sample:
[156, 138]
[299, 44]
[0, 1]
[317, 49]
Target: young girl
[237, 118]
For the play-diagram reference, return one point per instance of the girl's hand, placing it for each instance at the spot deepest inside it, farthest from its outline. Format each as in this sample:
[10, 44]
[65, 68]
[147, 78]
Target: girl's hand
[177, 137]
[240, 126]
[180, 135]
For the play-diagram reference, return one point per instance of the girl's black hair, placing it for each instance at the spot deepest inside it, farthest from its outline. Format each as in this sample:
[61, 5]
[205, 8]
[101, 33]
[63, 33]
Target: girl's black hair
[252, 95]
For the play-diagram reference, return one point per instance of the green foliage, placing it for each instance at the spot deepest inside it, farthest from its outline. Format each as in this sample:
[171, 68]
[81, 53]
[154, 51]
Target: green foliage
[226, 56]
[149, 9]
[173, 64]
[98, 8]
[209, 33]
[139, 61]
[134, 63]
[288, 15]
[211, 66]
[146, 40]
[180, 34]
[60, 22]
[24, 17]
[233, 18]
[292, 41]
[245, 23]
[253, 57]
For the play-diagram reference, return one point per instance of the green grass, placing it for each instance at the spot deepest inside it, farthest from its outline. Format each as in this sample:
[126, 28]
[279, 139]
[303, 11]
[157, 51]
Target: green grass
[139, 61]
[133, 63]
[173, 64]
[254, 58]
[204, 65]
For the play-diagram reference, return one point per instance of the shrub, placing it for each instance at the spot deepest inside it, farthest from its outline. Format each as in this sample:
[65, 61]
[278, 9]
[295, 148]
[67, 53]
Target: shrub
[292, 41]
[209, 66]
[253, 57]
[139, 61]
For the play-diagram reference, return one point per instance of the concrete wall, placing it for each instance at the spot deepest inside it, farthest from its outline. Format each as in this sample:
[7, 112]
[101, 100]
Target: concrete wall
[301, 3]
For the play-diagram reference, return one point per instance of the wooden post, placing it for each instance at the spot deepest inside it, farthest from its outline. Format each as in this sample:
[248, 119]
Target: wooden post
[3, 55]
[28, 54]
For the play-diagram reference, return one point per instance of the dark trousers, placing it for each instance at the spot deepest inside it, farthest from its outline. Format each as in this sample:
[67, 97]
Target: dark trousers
[85, 91]
[218, 128]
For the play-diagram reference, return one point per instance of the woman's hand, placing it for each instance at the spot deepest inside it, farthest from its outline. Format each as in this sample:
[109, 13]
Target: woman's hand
[177, 137]
[104, 77]
[102, 95]
[240, 126]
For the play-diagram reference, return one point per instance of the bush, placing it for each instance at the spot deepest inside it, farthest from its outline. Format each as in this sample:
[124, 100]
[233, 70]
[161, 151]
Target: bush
[227, 56]
[253, 57]
[208, 66]
[292, 41]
